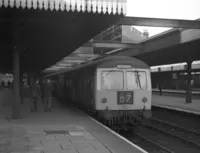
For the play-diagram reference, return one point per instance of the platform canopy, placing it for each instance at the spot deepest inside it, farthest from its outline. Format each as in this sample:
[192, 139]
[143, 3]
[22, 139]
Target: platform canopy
[176, 45]
[46, 31]
[173, 46]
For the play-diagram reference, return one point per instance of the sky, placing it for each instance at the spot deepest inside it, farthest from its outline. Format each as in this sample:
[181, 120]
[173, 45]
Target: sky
[174, 9]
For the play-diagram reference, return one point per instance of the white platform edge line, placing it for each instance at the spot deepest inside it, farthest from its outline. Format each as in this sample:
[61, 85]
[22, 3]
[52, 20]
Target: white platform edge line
[121, 137]
[178, 109]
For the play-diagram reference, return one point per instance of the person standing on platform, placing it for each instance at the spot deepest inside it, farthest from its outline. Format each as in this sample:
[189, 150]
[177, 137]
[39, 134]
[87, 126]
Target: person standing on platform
[36, 94]
[47, 95]
[25, 86]
[160, 88]
[2, 83]
[9, 83]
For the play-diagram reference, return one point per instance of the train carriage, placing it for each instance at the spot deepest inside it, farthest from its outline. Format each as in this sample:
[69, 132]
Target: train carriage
[116, 88]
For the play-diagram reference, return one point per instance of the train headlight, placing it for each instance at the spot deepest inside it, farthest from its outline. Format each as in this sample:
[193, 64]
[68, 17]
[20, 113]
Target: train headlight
[104, 100]
[144, 100]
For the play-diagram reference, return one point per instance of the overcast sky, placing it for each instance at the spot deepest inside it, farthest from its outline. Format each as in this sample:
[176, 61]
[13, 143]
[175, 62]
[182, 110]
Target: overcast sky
[174, 9]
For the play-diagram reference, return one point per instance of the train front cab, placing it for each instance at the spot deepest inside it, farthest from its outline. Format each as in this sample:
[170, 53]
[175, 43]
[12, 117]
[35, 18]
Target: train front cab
[123, 92]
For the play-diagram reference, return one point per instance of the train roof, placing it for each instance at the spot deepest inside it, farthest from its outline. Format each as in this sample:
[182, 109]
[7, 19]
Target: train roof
[110, 61]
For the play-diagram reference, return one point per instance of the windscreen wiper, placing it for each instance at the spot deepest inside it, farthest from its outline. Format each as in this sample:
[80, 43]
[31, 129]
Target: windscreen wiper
[138, 79]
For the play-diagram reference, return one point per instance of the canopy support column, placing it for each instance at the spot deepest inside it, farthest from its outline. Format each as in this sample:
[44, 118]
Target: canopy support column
[16, 70]
[16, 86]
[189, 78]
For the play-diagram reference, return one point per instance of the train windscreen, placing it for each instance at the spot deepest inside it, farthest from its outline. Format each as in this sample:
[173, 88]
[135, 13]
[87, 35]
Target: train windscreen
[112, 80]
[136, 80]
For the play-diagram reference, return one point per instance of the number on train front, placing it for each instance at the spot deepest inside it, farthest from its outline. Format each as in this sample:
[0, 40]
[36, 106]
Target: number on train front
[124, 97]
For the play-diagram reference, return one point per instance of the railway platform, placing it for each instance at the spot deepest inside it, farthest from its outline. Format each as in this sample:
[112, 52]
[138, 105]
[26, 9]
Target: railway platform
[64, 130]
[177, 103]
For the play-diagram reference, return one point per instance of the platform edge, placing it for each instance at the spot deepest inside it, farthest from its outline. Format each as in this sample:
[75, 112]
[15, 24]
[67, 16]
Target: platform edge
[116, 134]
[177, 109]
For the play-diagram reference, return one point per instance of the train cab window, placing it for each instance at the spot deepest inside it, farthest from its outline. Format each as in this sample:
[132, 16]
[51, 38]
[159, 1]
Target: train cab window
[112, 80]
[136, 80]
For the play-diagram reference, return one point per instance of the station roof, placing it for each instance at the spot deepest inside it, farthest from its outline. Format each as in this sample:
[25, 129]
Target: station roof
[106, 62]
[174, 54]
[173, 46]
[169, 47]
[50, 30]
[104, 42]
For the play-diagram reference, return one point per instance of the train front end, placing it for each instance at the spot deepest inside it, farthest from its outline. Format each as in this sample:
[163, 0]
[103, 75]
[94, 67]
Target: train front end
[123, 94]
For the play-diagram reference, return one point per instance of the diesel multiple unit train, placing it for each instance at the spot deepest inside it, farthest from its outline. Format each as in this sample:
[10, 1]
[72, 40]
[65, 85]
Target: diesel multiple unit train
[116, 89]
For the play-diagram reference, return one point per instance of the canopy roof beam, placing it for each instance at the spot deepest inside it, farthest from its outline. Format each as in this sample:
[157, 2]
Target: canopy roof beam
[160, 22]
[111, 45]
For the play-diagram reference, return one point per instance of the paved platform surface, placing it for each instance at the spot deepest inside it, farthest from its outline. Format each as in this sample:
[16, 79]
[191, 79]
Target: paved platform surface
[64, 130]
[177, 103]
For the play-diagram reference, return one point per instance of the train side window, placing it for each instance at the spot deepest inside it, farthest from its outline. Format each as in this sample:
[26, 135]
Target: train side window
[112, 80]
[136, 80]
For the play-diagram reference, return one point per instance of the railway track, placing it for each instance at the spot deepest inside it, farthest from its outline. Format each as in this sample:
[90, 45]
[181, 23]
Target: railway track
[185, 135]
[155, 141]
[166, 137]
[147, 144]
[183, 119]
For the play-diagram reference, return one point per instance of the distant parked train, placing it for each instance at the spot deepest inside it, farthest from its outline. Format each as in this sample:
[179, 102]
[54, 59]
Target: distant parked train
[116, 89]
[174, 76]
[175, 80]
